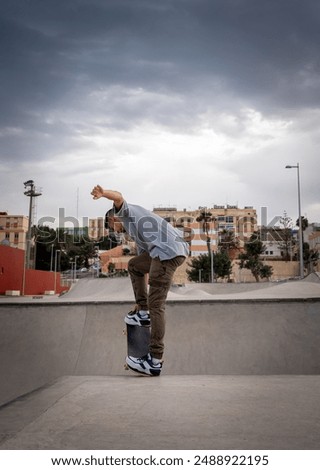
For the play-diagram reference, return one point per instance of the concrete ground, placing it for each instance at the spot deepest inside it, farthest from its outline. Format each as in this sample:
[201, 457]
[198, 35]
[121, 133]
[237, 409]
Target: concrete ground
[254, 382]
[170, 412]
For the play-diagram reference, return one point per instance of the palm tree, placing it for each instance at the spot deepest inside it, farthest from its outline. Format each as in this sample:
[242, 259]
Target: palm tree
[228, 243]
[206, 217]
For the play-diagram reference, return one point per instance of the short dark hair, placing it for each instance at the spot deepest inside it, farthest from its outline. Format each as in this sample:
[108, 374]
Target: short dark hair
[110, 213]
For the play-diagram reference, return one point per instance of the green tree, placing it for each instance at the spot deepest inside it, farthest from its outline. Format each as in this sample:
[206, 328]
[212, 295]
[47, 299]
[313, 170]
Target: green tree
[46, 242]
[222, 265]
[305, 246]
[310, 257]
[286, 241]
[68, 245]
[304, 223]
[201, 267]
[228, 242]
[205, 218]
[111, 267]
[250, 258]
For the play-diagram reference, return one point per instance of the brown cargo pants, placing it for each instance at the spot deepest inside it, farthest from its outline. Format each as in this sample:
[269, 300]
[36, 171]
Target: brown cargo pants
[160, 278]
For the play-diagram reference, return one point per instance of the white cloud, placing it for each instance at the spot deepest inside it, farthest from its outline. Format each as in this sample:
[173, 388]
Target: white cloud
[185, 106]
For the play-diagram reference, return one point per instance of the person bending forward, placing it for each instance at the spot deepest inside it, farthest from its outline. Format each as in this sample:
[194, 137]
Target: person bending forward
[160, 251]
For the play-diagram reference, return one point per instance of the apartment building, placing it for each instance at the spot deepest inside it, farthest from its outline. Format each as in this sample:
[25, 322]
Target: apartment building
[312, 236]
[96, 230]
[208, 225]
[13, 230]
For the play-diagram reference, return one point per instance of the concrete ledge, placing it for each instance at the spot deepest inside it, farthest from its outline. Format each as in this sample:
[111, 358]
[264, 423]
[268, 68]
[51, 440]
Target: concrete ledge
[12, 292]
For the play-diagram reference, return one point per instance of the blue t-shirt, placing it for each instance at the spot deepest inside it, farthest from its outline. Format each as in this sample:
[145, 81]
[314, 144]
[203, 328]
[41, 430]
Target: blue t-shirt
[152, 233]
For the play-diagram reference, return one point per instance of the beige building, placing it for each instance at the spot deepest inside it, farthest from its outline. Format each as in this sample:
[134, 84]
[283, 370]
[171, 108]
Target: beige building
[212, 223]
[96, 229]
[215, 222]
[313, 236]
[13, 230]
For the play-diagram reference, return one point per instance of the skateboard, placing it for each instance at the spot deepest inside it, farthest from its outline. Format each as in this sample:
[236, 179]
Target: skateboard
[138, 338]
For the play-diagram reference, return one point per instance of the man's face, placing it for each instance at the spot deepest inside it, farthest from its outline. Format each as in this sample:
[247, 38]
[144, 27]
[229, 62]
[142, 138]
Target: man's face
[115, 225]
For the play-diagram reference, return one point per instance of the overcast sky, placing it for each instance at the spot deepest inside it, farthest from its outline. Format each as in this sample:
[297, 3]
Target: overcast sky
[185, 103]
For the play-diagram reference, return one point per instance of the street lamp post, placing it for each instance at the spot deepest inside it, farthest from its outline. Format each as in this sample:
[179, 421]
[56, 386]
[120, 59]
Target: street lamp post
[211, 262]
[55, 270]
[51, 258]
[300, 221]
[75, 267]
[72, 270]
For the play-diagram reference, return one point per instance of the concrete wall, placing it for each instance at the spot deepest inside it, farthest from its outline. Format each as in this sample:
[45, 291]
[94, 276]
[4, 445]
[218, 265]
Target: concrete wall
[281, 270]
[40, 342]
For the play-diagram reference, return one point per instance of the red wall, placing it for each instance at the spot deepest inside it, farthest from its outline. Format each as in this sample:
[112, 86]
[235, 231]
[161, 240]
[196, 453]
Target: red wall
[11, 274]
[11, 268]
[37, 282]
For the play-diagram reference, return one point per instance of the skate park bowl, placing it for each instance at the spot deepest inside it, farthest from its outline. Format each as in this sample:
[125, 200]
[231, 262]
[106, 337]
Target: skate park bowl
[267, 330]
[212, 330]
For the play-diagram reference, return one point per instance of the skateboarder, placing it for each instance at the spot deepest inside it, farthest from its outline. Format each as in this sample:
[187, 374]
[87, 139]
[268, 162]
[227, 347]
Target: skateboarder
[160, 250]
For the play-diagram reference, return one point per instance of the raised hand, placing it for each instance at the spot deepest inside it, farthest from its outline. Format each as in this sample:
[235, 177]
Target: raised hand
[97, 192]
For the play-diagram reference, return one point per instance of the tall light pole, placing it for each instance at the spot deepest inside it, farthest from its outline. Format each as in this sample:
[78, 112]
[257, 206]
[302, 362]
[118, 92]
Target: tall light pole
[75, 267]
[55, 270]
[31, 192]
[300, 221]
[51, 258]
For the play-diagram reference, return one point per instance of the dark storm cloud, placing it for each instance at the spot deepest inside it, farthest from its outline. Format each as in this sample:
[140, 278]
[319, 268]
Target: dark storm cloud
[219, 54]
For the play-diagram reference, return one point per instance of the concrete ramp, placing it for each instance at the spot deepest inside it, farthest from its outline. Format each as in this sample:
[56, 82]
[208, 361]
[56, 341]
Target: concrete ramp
[120, 289]
[104, 289]
[40, 342]
[313, 277]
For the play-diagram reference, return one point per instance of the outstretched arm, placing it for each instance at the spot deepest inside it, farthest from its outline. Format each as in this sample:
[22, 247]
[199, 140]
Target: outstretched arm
[114, 196]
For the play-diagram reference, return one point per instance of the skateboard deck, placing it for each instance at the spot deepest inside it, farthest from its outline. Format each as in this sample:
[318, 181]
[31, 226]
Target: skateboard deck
[138, 338]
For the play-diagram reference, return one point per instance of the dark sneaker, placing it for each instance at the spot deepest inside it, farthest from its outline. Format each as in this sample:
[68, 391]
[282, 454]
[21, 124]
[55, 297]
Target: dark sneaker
[144, 365]
[137, 318]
